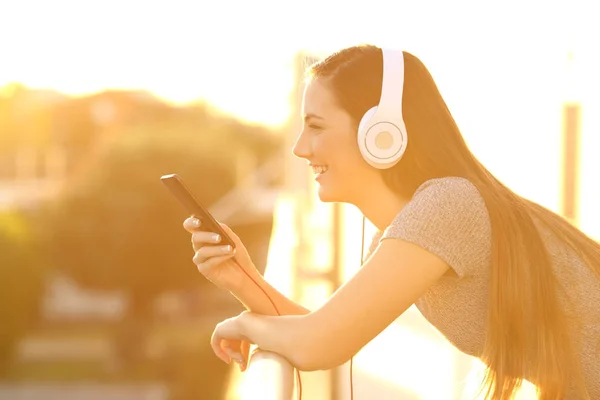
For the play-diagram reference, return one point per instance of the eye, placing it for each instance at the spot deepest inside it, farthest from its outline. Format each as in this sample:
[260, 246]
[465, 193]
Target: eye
[315, 127]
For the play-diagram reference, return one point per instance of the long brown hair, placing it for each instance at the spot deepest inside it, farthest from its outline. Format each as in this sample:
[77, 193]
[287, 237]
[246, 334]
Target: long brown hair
[525, 319]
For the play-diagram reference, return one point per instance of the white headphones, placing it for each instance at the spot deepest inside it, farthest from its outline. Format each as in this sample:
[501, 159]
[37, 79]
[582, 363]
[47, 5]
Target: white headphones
[382, 136]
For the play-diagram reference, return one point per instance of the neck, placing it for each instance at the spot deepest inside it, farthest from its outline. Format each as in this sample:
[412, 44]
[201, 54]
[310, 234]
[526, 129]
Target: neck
[382, 207]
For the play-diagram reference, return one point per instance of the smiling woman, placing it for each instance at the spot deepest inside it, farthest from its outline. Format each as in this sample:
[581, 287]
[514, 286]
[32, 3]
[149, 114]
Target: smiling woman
[503, 278]
[334, 156]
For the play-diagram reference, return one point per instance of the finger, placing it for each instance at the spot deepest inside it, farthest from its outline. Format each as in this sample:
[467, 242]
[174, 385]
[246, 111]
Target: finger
[215, 343]
[226, 347]
[206, 252]
[232, 349]
[245, 350]
[201, 238]
[191, 224]
[205, 263]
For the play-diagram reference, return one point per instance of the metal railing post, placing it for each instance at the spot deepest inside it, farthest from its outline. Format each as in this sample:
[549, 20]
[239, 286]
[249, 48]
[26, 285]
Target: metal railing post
[269, 377]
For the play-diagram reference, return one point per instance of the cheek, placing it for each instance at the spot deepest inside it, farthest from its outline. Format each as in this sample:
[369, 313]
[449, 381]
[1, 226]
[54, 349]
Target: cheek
[339, 149]
[351, 157]
[341, 146]
[348, 166]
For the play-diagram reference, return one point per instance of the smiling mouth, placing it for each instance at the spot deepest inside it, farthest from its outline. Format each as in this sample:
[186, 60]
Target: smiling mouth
[320, 169]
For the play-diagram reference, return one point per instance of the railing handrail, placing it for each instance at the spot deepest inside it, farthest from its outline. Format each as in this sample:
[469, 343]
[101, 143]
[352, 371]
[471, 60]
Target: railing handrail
[269, 377]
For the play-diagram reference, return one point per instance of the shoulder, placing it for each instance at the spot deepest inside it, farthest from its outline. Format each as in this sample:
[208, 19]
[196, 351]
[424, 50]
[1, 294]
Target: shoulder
[448, 217]
[450, 200]
[447, 192]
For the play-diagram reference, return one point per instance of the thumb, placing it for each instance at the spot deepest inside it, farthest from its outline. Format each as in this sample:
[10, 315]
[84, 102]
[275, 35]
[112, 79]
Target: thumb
[245, 350]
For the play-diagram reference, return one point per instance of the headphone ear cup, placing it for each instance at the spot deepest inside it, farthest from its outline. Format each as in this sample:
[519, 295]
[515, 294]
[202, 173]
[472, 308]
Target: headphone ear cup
[371, 129]
[363, 128]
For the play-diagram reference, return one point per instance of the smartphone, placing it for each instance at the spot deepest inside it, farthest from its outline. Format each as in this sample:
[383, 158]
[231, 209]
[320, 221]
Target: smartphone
[179, 189]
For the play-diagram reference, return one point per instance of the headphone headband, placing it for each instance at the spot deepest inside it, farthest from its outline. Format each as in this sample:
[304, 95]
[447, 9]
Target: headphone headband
[382, 137]
[392, 82]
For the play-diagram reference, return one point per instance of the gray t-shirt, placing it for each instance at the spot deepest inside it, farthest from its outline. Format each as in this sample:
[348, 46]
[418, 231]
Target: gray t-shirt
[448, 217]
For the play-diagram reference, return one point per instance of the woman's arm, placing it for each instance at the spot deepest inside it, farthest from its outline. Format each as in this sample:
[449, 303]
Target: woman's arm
[394, 277]
[256, 299]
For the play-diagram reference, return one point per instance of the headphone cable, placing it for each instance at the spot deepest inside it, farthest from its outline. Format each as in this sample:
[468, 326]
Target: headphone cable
[276, 311]
[362, 250]
[362, 258]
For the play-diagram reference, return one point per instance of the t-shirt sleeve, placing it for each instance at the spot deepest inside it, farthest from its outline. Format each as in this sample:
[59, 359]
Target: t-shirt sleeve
[373, 246]
[448, 218]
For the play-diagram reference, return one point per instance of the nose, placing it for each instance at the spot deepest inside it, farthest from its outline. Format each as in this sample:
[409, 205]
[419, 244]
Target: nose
[302, 148]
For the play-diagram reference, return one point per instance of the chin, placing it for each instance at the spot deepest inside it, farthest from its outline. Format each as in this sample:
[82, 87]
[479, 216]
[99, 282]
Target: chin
[326, 195]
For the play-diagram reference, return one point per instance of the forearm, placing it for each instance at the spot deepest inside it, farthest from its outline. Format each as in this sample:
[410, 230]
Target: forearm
[283, 335]
[306, 341]
[255, 297]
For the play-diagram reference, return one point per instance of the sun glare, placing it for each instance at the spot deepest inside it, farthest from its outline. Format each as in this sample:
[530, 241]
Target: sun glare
[505, 75]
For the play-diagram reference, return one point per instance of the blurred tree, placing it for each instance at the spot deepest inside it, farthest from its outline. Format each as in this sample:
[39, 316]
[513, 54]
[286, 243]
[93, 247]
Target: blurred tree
[79, 126]
[114, 211]
[21, 280]
[117, 227]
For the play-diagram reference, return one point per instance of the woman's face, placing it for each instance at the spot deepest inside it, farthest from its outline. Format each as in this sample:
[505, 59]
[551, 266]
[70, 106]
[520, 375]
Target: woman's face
[328, 142]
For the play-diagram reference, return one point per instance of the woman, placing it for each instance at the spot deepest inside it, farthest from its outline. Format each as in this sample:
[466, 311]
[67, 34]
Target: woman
[501, 277]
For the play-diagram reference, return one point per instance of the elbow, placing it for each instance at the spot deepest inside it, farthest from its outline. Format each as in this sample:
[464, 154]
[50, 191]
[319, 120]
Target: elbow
[316, 354]
[310, 361]
[307, 363]
[316, 364]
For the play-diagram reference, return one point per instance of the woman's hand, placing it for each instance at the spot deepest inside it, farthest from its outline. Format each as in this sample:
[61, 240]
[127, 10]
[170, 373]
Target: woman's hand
[215, 261]
[229, 343]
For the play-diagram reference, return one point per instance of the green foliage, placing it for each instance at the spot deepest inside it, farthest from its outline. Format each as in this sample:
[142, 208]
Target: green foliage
[21, 280]
[119, 228]
[115, 226]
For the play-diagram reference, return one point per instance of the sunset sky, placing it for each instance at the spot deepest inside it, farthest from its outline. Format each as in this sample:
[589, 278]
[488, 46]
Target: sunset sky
[502, 69]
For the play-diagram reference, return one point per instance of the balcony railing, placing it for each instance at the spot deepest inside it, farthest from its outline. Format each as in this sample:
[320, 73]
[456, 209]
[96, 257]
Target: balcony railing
[269, 377]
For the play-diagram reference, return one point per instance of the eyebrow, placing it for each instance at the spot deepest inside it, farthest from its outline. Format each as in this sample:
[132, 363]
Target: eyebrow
[309, 116]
